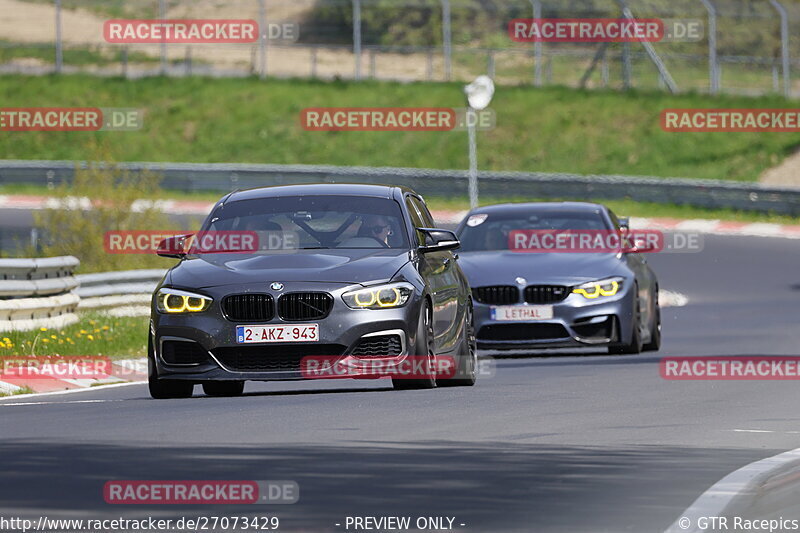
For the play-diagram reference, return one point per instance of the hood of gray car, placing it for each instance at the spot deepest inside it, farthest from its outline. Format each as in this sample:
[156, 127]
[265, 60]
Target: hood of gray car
[325, 266]
[503, 267]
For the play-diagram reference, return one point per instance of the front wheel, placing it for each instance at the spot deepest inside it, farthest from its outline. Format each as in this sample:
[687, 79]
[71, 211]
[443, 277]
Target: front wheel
[634, 345]
[655, 332]
[424, 348]
[164, 389]
[467, 361]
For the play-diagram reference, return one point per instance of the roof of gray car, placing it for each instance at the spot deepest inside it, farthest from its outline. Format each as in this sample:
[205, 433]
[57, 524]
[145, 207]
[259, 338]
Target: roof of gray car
[313, 189]
[527, 207]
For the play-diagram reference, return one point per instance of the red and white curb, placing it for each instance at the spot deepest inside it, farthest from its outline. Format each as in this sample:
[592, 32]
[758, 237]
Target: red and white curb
[718, 227]
[43, 202]
[123, 371]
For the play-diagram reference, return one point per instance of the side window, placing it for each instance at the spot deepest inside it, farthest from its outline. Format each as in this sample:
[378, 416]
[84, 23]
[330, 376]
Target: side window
[416, 219]
[427, 218]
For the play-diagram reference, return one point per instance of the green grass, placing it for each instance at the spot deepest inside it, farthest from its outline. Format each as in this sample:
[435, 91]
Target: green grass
[250, 121]
[73, 56]
[94, 334]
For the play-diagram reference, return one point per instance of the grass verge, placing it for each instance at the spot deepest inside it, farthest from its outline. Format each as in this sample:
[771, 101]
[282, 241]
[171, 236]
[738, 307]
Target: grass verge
[252, 121]
[94, 334]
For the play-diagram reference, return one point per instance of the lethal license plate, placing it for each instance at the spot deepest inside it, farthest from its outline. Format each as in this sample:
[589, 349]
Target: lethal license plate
[521, 312]
[282, 333]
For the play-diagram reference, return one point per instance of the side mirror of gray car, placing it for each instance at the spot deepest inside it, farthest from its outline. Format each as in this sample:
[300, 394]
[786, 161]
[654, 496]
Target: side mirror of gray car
[438, 240]
[174, 247]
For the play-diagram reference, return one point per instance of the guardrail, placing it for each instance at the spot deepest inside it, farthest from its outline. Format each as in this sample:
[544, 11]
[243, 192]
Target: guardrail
[110, 289]
[37, 293]
[227, 177]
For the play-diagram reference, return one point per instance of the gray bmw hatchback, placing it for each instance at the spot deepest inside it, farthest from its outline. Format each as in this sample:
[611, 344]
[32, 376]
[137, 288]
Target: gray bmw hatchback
[352, 277]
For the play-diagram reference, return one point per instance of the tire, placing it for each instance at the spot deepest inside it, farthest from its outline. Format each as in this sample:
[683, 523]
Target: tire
[424, 343]
[655, 332]
[223, 388]
[164, 389]
[468, 359]
[634, 345]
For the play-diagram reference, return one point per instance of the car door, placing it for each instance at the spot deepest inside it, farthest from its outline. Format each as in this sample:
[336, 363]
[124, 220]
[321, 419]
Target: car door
[446, 313]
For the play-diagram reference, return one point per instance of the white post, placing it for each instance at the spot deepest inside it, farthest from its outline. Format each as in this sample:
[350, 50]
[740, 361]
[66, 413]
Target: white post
[473, 158]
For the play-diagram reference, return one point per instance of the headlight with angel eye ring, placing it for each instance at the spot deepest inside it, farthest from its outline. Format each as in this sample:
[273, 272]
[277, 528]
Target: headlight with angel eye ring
[387, 296]
[174, 301]
[604, 287]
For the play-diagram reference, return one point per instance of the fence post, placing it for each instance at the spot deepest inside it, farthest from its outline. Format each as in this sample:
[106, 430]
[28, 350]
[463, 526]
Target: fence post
[713, 66]
[787, 86]
[537, 47]
[372, 68]
[447, 40]
[314, 61]
[59, 44]
[162, 15]
[124, 61]
[357, 36]
[188, 61]
[262, 45]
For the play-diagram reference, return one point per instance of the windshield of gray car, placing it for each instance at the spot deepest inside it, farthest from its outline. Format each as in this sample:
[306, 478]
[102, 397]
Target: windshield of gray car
[490, 232]
[314, 222]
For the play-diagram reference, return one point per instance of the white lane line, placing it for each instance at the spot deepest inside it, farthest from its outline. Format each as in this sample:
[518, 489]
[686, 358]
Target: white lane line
[753, 430]
[58, 403]
[71, 391]
[714, 501]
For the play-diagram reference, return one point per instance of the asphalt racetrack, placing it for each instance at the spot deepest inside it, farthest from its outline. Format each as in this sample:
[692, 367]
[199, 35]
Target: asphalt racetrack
[567, 443]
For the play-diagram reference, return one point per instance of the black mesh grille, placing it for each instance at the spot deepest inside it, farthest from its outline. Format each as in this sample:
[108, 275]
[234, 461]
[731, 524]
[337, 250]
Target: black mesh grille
[304, 305]
[545, 294]
[183, 353]
[521, 332]
[285, 358]
[496, 294]
[379, 345]
[248, 307]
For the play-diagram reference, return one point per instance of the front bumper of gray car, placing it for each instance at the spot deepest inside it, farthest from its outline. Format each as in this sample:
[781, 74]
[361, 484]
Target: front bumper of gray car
[576, 322]
[203, 346]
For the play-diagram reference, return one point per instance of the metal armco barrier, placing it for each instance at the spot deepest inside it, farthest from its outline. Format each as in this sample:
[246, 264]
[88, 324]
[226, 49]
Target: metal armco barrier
[37, 293]
[110, 289]
[227, 177]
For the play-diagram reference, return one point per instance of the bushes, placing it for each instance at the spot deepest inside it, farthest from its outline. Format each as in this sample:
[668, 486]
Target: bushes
[101, 198]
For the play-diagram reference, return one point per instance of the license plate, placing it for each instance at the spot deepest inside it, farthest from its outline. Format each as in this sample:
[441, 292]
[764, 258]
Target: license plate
[521, 312]
[283, 333]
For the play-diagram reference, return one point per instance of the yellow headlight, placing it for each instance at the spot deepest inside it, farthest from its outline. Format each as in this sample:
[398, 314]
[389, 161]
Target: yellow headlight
[596, 289]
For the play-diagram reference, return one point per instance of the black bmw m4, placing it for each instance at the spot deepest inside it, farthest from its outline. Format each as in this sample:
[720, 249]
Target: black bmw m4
[352, 277]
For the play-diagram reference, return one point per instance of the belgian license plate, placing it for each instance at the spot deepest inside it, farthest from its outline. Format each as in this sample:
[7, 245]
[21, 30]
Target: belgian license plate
[521, 312]
[282, 333]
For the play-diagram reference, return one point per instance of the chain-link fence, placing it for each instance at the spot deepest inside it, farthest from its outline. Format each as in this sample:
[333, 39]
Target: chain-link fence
[744, 46]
